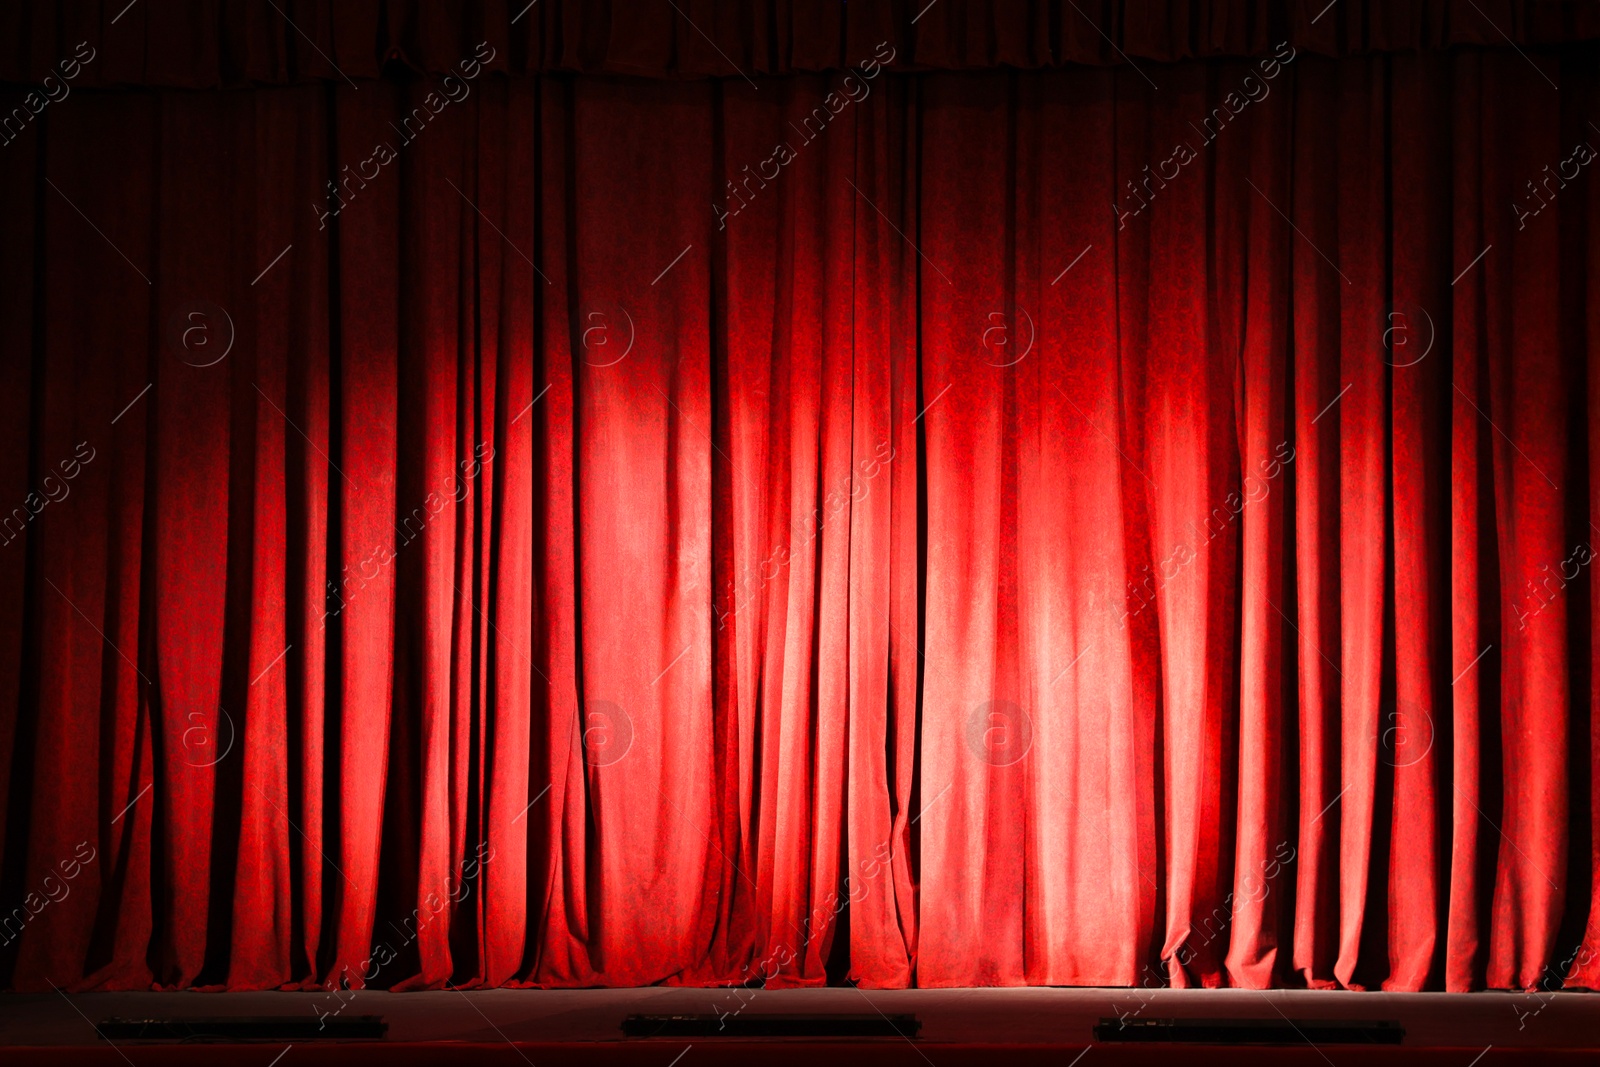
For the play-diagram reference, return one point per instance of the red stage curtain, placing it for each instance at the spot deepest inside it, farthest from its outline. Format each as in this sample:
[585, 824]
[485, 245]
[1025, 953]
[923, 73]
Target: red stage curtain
[1072, 527]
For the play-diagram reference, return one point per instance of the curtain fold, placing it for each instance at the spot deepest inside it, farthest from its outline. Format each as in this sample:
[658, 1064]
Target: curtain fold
[1102, 526]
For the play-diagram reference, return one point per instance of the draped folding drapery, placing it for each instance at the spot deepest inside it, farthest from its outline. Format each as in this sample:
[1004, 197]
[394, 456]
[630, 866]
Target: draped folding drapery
[1084, 526]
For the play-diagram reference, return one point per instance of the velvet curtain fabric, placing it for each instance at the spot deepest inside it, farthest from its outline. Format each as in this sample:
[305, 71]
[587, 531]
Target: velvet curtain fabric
[1091, 526]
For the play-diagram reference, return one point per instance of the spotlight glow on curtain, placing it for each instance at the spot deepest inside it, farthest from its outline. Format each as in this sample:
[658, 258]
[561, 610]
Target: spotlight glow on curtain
[1068, 527]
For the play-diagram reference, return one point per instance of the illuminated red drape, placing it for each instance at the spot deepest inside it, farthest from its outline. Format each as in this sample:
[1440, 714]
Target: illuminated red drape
[950, 554]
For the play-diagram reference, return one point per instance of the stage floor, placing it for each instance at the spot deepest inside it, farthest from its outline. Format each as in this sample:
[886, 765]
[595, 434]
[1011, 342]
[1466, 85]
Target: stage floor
[957, 1027]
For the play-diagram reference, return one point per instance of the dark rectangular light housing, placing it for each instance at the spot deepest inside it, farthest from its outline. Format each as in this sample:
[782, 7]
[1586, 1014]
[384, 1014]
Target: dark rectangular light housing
[1278, 1031]
[221, 1028]
[788, 1024]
